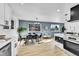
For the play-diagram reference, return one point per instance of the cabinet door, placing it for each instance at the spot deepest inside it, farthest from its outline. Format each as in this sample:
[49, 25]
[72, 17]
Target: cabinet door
[7, 12]
[68, 27]
[6, 50]
[77, 27]
[1, 13]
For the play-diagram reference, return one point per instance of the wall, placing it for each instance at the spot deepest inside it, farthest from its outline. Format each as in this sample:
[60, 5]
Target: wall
[24, 23]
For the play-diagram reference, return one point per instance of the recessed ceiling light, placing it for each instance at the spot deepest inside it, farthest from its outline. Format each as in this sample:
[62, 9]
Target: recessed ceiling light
[22, 3]
[58, 10]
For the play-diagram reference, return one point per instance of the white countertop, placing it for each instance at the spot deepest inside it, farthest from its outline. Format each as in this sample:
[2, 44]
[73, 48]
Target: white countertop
[3, 43]
[13, 48]
[59, 35]
[74, 41]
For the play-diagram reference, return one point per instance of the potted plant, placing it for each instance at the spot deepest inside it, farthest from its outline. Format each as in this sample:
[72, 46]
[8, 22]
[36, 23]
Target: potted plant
[20, 30]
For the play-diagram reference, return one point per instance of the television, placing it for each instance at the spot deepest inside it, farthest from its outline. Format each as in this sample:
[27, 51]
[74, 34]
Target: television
[74, 13]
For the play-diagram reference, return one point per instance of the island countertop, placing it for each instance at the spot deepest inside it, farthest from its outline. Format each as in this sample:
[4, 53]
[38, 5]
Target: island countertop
[4, 42]
[59, 35]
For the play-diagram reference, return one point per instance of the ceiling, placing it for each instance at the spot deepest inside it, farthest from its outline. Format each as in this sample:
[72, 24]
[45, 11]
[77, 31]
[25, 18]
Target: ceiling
[44, 11]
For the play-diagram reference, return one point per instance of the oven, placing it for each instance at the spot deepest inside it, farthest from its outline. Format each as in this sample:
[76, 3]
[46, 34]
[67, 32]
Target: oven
[59, 39]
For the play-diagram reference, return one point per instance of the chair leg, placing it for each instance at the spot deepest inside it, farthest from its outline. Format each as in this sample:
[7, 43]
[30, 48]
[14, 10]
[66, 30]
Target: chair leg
[37, 40]
[26, 41]
[33, 41]
[19, 43]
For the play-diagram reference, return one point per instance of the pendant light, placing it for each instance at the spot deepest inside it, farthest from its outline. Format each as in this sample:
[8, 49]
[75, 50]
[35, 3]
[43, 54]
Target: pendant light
[36, 22]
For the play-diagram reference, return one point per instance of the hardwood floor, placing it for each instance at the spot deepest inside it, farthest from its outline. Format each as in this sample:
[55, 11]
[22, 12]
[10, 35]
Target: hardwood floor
[45, 48]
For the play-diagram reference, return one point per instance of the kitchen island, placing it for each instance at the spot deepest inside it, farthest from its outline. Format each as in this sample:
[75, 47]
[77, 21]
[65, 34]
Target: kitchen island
[68, 43]
[59, 39]
[7, 47]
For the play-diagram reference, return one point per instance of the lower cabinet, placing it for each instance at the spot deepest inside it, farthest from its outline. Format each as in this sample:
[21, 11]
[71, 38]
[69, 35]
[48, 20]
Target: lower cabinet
[71, 47]
[59, 39]
[6, 50]
[59, 42]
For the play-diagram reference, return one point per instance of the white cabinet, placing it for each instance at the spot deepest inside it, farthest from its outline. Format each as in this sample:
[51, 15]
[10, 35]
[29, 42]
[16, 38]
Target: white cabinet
[1, 13]
[72, 27]
[5, 13]
[68, 27]
[76, 24]
[6, 50]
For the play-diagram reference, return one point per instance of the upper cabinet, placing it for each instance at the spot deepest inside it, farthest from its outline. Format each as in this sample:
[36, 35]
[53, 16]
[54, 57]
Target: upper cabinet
[5, 13]
[67, 15]
[74, 13]
[1, 14]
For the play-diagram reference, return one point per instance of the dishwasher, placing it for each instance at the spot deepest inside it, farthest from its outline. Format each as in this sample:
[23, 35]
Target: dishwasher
[6, 50]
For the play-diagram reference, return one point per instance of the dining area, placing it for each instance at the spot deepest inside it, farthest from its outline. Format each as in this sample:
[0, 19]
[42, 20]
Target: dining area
[31, 38]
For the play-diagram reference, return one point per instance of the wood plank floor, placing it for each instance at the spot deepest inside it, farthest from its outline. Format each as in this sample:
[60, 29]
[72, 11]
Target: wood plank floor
[45, 48]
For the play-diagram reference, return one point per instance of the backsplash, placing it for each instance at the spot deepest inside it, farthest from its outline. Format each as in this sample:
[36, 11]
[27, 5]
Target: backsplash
[72, 27]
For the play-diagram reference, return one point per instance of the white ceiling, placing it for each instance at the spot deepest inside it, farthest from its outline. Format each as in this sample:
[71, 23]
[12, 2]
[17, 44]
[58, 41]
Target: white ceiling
[44, 11]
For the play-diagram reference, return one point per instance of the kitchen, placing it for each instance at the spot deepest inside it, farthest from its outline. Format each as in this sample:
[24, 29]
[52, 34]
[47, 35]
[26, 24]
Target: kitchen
[7, 38]
[9, 22]
[70, 38]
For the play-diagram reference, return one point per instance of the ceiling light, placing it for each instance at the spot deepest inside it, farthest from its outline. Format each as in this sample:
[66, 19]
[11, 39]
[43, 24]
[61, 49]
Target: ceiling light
[58, 10]
[22, 3]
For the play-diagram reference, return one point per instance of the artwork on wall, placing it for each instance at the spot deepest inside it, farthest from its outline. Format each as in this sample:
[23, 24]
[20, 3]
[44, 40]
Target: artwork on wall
[34, 27]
